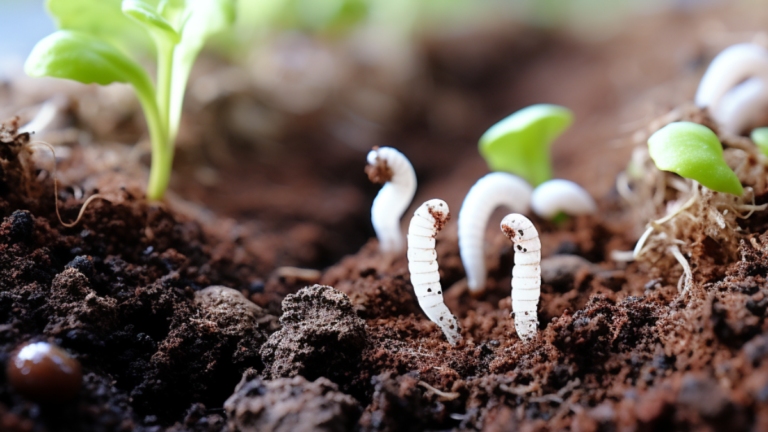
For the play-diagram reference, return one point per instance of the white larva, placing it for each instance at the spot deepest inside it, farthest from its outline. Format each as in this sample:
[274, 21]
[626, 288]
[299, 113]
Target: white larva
[555, 196]
[393, 199]
[428, 219]
[742, 106]
[732, 66]
[490, 192]
[526, 274]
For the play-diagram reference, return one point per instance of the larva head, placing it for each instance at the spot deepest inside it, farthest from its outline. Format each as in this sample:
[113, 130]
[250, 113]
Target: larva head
[438, 209]
[514, 225]
[378, 170]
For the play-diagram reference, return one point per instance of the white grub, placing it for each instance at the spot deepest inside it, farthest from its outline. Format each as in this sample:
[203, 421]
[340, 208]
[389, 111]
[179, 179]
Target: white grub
[742, 106]
[526, 274]
[490, 192]
[428, 219]
[555, 196]
[393, 199]
[732, 66]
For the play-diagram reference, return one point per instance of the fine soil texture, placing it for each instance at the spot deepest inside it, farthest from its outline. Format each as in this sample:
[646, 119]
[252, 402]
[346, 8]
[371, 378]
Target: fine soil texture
[255, 298]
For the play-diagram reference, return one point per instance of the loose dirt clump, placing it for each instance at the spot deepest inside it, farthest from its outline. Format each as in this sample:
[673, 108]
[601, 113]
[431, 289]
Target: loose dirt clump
[321, 336]
[289, 404]
[117, 292]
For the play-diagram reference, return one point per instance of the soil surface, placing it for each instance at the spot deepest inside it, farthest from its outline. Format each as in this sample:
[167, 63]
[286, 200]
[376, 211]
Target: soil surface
[167, 307]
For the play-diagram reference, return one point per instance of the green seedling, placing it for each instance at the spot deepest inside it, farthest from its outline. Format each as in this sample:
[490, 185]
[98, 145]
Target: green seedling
[694, 152]
[90, 48]
[760, 137]
[520, 143]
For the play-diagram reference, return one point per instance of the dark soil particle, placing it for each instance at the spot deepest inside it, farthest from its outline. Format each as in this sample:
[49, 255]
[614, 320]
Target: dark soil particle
[290, 405]
[321, 335]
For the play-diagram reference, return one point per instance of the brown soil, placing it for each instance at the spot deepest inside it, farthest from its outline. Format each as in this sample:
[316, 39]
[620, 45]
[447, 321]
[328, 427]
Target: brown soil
[136, 294]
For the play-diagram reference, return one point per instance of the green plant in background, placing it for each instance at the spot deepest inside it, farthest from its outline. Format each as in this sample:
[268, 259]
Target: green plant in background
[760, 138]
[520, 143]
[694, 152]
[91, 48]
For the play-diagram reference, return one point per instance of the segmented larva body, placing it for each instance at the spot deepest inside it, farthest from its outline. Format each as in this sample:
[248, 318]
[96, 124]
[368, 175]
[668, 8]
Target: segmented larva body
[558, 195]
[732, 66]
[393, 199]
[742, 106]
[526, 275]
[490, 192]
[428, 219]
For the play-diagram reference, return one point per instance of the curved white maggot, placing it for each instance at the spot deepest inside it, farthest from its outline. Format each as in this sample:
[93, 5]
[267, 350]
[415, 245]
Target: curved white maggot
[742, 106]
[428, 219]
[732, 66]
[492, 191]
[526, 274]
[393, 199]
[555, 196]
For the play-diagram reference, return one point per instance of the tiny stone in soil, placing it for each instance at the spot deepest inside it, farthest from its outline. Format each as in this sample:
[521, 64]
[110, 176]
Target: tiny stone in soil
[44, 372]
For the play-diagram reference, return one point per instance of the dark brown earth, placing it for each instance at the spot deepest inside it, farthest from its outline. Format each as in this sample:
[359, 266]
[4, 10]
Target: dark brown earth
[126, 292]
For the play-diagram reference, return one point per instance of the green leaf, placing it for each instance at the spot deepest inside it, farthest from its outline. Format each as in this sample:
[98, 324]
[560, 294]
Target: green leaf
[148, 16]
[201, 19]
[520, 143]
[102, 18]
[85, 58]
[693, 151]
[760, 137]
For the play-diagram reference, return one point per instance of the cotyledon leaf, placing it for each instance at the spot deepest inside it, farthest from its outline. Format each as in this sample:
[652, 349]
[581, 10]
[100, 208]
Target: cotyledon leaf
[693, 151]
[519, 144]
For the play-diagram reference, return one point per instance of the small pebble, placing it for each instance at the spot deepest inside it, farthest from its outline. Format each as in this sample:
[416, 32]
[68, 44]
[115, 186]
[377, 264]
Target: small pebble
[22, 225]
[44, 372]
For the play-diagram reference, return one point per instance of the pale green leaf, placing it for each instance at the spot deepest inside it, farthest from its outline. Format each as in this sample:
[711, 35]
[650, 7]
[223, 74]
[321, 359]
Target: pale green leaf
[520, 143]
[103, 18]
[760, 137]
[85, 58]
[147, 15]
[693, 151]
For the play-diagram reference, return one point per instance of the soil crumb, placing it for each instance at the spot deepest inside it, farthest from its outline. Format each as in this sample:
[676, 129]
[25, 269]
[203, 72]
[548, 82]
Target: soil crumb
[288, 405]
[321, 335]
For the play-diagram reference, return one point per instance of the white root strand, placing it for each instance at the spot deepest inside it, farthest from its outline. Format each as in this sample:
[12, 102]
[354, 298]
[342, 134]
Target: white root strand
[555, 196]
[490, 192]
[732, 66]
[393, 199]
[428, 219]
[526, 275]
[687, 273]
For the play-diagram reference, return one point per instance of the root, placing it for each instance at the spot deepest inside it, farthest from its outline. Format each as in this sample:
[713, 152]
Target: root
[676, 231]
[687, 273]
[56, 188]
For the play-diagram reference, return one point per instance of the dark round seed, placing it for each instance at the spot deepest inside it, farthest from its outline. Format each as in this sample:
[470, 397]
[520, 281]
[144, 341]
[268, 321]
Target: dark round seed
[44, 372]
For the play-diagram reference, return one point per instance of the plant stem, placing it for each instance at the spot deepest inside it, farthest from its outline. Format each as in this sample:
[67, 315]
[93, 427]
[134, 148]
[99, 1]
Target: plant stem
[162, 150]
[164, 76]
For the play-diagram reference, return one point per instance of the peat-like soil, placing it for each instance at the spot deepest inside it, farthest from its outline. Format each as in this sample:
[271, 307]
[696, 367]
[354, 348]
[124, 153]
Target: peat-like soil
[135, 291]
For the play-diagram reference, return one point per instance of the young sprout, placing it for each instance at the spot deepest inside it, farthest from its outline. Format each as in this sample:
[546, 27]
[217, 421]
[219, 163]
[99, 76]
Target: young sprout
[526, 274]
[693, 151]
[88, 49]
[561, 196]
[520, 143]
[742, 106]
[760, 138]
[732, 66]
[490, 192]
[387, 165]
[428, 219]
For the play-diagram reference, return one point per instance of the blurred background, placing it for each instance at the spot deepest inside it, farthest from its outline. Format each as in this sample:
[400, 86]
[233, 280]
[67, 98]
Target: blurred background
[281, 111]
